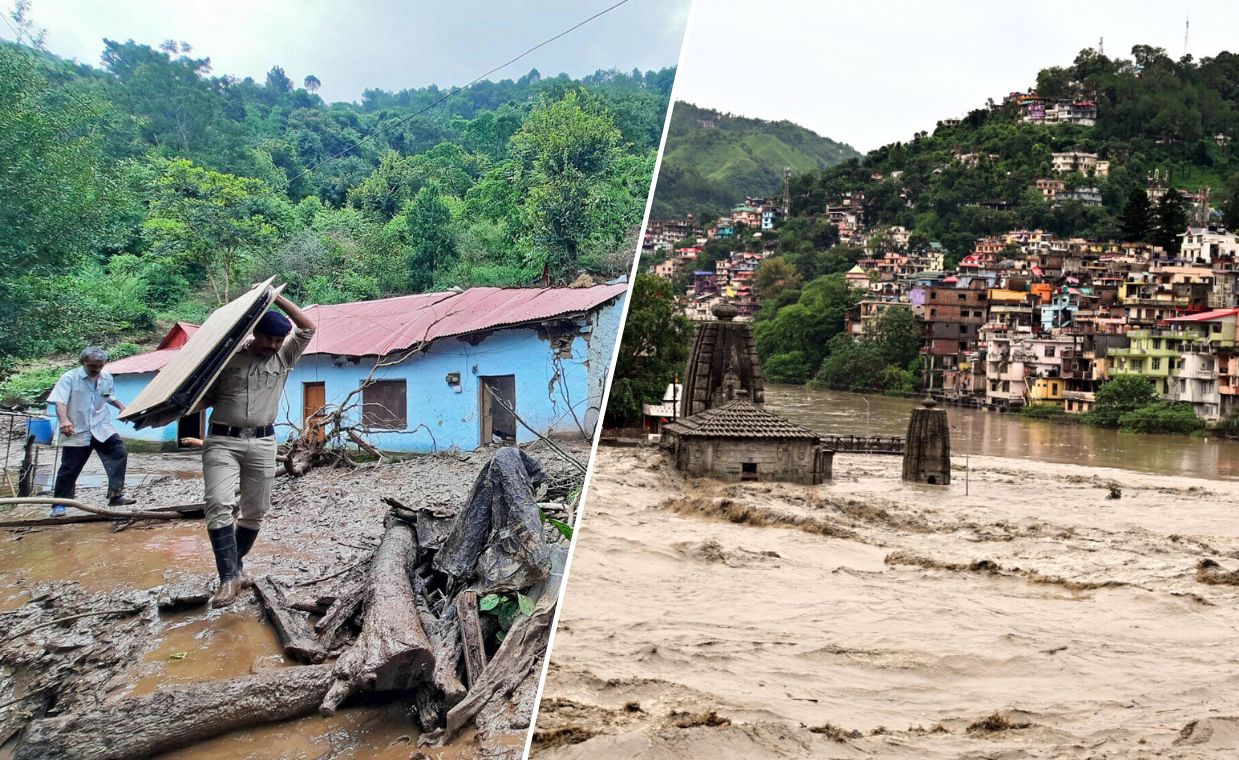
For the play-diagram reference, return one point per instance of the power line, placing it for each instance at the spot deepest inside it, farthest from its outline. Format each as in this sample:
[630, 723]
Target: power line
[474, 81]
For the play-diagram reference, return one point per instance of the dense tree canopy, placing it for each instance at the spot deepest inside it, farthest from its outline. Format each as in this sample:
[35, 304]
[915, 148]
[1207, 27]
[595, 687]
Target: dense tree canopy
[153, 188]
[653, 352]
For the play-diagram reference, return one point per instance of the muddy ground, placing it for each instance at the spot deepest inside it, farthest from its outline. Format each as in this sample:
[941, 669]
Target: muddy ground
[1034, 618]
[319, 525]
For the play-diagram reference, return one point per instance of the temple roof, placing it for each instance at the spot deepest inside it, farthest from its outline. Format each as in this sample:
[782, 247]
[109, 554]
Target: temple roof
[737, 419]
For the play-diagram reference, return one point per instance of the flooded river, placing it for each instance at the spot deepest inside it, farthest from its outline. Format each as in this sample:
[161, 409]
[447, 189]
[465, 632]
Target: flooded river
[1009, 435]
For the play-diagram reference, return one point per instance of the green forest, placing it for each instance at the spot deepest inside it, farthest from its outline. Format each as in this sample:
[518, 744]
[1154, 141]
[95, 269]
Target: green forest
[713, 160]
[153, 189]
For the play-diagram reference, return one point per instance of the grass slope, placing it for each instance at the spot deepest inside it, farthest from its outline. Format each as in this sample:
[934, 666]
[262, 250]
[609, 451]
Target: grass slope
[713, 160]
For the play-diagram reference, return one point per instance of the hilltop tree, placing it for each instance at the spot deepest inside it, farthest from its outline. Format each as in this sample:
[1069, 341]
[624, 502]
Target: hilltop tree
[565, 151]
[211, 221]
[57, 201]
[431, 242]
[774, 276]
[311, 83]
[1170, 220]
[1137, 223]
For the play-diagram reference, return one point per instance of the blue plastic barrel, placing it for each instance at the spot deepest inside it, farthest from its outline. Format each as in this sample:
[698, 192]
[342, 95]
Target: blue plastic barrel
[41, 428]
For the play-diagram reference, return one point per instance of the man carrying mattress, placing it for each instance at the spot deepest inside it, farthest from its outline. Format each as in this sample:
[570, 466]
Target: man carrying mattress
[239, 448]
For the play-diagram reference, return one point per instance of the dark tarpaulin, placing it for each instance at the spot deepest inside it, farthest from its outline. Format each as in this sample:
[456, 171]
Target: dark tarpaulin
[497, 539]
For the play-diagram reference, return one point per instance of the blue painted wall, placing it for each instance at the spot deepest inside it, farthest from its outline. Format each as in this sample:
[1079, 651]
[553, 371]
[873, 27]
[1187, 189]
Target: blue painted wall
[559, 386]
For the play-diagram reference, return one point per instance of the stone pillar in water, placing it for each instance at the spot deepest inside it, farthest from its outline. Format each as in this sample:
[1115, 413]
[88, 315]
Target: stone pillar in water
[927, 449]
[723, 362]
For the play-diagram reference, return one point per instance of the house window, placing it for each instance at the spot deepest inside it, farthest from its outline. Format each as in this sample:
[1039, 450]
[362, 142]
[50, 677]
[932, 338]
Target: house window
[1054, 388]
[933, 312]
[748, 471]
[1049, 352]
[1157, 363]
[962, 296]
[1216, 327]
[384, 405]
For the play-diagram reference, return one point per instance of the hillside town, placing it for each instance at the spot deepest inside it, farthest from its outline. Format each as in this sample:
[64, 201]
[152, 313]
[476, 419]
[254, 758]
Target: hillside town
[1024, 317]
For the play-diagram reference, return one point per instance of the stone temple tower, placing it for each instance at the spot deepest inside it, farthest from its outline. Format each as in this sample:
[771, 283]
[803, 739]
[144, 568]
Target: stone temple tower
[723, 362]
[927, 449]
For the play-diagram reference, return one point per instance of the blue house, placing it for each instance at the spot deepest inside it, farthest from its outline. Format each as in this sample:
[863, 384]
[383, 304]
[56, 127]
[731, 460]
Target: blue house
[430, 371]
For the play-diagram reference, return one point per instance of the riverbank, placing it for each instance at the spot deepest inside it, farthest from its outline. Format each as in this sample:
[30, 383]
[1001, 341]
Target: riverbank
[319, 525]
[1034, 617]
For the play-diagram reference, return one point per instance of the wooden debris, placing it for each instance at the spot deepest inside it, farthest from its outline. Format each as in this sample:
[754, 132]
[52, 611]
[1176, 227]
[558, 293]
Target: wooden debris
[176, 716]
[471, 636]
[340, 612]
[295, 636]
[183, 595]
[183, 511]
[392, 651]
[366, 446]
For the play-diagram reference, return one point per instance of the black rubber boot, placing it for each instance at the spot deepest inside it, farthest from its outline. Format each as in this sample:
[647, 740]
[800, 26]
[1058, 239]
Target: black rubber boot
[245, 541]
[224, 544]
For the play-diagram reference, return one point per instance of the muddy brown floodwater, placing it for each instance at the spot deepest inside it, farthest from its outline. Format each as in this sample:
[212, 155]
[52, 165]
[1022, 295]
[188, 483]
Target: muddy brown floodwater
[1033, 618]
[977, 431]
[326, 521]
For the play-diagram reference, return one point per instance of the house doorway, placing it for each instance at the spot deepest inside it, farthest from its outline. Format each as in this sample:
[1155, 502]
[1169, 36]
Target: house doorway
[190, 426]
[496, 393]
[313, 399]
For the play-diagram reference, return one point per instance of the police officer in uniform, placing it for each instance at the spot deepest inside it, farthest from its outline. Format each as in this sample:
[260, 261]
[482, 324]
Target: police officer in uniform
[239, 448]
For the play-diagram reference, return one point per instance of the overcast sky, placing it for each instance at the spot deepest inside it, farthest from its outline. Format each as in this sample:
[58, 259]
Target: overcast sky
[387, 44]
[873, 72]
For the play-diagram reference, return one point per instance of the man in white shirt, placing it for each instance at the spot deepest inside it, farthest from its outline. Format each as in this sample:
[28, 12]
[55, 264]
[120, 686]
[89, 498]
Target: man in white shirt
[82, 397]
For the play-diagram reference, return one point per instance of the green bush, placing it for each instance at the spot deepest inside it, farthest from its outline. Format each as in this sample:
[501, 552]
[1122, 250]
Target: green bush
[1118, 396]
[1162, 417]
[121, 350]
[789, 367]
[29, 386]
[1042, 411]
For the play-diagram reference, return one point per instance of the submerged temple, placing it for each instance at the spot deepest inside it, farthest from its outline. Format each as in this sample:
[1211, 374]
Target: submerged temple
[723, 362]
[927, 449]
[740, 440]
[725, 432]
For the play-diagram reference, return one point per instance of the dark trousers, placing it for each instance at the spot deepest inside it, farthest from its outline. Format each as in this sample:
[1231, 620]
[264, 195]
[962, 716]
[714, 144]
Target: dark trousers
[112, 453]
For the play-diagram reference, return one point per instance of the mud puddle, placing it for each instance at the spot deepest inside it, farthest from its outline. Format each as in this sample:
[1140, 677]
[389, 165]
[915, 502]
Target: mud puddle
[97, 559]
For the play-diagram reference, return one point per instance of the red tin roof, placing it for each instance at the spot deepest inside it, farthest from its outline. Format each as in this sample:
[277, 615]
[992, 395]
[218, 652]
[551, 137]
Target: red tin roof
[153, 361]
[378, 328]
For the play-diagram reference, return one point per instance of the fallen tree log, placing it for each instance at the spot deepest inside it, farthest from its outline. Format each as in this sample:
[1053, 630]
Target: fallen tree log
[392, 652]
[176, 716]
[295, 636]
[98, 514]
[517, 657]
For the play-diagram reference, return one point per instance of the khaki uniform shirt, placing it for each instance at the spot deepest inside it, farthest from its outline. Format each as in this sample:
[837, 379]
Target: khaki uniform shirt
[247, 392]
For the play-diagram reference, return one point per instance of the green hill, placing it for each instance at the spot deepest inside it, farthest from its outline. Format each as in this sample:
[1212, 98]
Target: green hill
[151, 189]
[976, 177]
[713, 159]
